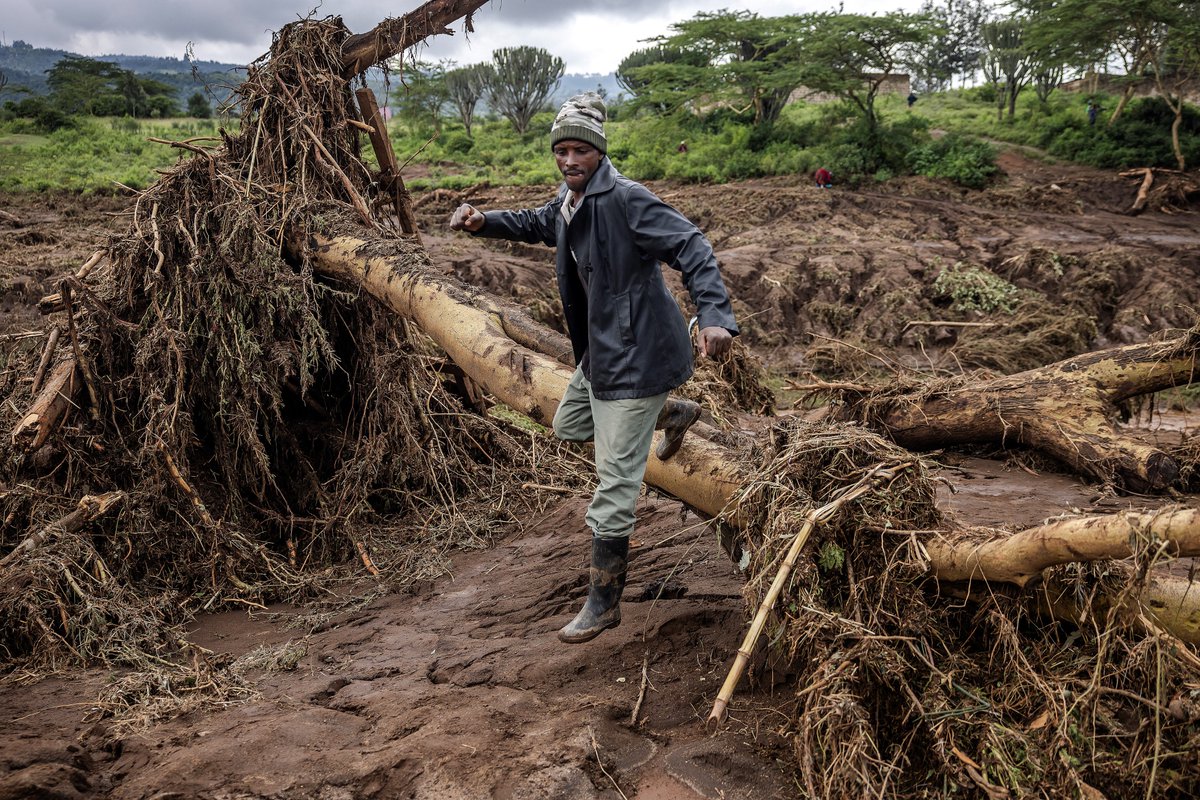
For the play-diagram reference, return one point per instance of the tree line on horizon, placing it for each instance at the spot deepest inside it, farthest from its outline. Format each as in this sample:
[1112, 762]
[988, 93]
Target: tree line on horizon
[754, 65]
[737, 62]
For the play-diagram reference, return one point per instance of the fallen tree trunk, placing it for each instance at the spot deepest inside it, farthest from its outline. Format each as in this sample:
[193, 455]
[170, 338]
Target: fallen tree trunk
[394, 36]
[474, 329]
[1022, 556]
[1067, 410]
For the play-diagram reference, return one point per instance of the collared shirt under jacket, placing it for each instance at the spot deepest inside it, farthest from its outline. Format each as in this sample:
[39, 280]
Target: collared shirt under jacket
[625, 320]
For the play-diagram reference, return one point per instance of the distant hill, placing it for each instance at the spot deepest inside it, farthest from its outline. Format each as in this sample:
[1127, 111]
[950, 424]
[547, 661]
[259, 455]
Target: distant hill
[574, 84]
[26, 67]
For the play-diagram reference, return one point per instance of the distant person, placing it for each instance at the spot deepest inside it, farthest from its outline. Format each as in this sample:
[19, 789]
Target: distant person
[682, 147]
[824, 178]
[631, 344]
[912, 98]
[1093, 108]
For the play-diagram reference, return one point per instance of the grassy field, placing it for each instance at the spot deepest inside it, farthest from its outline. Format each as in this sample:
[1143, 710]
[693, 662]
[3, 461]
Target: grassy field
[96, 154]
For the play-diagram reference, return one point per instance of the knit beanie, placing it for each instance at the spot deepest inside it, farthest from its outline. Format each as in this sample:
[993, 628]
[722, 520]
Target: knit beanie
[582, 118]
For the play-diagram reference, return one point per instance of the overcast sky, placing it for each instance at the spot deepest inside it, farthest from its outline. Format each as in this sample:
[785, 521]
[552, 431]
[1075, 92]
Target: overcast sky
[588, 36]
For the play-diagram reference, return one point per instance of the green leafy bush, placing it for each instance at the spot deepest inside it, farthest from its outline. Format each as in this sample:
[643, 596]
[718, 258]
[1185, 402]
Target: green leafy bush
[962, 159]
[972, 288]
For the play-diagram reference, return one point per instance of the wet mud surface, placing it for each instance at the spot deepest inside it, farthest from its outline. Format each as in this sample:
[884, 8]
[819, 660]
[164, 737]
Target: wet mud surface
[457, 687]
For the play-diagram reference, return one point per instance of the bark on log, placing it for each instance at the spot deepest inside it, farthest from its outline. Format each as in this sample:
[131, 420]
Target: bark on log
[1067, 410]
[393, 36]
[55, 399]
[474, 328]
[1021, 557]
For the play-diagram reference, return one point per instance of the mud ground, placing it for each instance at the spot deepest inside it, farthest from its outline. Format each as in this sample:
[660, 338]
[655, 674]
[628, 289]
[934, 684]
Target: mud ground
[457, 688]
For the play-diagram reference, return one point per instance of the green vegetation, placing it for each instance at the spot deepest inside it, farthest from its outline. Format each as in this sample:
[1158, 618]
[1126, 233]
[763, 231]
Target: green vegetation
[91, 154]
[972, 288]
[723, 82]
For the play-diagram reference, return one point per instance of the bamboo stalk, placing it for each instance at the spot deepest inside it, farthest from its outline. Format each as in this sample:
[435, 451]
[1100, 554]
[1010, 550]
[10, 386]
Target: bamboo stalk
[817, 516]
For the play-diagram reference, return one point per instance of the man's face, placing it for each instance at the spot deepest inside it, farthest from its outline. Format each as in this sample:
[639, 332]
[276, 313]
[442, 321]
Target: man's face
[577, 161]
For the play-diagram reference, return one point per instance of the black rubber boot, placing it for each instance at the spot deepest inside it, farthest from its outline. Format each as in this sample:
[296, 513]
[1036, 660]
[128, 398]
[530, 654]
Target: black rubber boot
[674, 420]
[602, 609]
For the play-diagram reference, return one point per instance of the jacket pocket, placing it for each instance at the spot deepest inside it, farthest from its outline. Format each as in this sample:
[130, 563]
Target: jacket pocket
[625, 318]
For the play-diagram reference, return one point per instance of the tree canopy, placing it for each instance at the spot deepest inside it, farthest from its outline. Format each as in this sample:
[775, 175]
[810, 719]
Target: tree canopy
[852, 55]
[521, 82]
[81, 85]
[732, 58]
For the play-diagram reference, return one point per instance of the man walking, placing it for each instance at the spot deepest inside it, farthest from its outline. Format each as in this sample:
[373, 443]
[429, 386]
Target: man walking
[631, 344]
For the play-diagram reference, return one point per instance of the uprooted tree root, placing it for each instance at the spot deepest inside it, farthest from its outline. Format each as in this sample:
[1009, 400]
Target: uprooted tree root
[904, 693]
[261, 423]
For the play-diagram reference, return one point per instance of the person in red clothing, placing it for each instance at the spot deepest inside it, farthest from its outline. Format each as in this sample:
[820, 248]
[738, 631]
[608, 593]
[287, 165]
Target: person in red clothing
[824, 178]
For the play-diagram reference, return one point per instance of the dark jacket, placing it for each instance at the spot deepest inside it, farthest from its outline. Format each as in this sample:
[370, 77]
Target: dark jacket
[628, 323]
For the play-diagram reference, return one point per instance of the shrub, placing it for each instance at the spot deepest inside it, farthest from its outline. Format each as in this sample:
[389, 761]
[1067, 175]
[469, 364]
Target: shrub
[972, 288]
[961, 159]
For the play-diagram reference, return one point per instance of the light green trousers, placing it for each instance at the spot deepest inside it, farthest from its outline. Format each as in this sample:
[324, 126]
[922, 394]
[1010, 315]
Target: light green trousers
[622, 431]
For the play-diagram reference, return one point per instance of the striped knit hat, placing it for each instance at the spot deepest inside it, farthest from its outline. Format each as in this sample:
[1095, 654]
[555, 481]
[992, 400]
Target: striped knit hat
[581, 118]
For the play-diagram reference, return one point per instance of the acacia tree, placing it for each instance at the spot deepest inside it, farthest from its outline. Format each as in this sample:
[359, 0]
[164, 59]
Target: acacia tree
[1176, 62]
[81, 85]
[1156, 40]
[1090, 34]
[733, 58]
[521, 81]
[852, 55]
[465, 87]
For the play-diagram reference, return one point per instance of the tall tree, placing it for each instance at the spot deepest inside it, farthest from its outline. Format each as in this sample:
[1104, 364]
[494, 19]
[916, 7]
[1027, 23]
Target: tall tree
[522, 80]
[955, 47]
[851, 55]
[1156, 40]
[1007, 61]
[1091, 35]
[1176, 61]
[81, 85]
[421, 94]
[465, 87]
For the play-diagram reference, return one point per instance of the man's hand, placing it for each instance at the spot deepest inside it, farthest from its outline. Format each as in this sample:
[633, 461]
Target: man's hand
[466, 217]
[715, 341]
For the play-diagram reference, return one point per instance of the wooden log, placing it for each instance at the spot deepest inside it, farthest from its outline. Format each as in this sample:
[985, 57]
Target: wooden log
[50, 406]
[1021, 557]
[89, 508]
[393, 36]
[1067, 409]
[389, 170]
